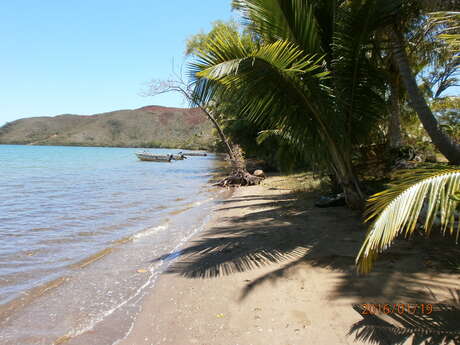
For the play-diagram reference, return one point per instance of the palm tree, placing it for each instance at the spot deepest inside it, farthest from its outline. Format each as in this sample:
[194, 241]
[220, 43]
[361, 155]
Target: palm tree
[310, 75]
[423, 198]
[394, 123]
[443, 142]
[432, 194]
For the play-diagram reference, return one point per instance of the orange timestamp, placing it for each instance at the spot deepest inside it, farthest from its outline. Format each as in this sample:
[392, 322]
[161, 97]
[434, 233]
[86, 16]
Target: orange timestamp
[396, 308]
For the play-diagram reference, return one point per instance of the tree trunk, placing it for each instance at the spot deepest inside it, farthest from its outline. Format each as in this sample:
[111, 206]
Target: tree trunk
[346, 177]
[341, 164]
[354, 197]
[221, 133]
[213, 120]
[446, 145]
[394, 125]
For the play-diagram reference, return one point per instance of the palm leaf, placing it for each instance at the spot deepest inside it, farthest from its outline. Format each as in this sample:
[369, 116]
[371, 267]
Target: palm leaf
[449, 32]
[397, 209]
[269, 133]
[358, 79]
[285, 138]
[274, 20]
[276, 85]
[285, 79]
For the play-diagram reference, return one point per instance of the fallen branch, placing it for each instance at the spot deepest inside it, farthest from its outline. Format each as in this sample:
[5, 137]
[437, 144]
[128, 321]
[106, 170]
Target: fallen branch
[239, 178]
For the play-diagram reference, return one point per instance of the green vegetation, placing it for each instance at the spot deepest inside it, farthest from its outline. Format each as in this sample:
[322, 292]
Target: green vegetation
[332, 85]
[434, 192]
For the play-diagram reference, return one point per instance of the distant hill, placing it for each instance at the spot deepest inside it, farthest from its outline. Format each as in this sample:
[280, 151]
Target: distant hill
[150, 126]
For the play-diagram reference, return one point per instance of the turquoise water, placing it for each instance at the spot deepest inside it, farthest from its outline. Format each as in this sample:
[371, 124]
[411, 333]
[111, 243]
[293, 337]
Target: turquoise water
[61, 208]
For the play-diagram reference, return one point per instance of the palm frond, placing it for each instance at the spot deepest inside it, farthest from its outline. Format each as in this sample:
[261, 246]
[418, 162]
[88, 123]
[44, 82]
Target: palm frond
[448, 22]
[284, 78]
[285, 138]
[427, 192]
[276, 85]
[264, 135]
[358, 81]
[274, 20]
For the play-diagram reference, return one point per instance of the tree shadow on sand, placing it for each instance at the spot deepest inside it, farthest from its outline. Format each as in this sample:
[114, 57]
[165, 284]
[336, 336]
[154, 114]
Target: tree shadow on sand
[273, 233]
[291, 233]
[432, 324]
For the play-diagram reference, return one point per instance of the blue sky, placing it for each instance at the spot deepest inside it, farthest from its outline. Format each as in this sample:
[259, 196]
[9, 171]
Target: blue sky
[92, 56]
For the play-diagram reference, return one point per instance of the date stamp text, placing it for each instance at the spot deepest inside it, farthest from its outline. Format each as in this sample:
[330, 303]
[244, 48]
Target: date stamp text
[396, 308]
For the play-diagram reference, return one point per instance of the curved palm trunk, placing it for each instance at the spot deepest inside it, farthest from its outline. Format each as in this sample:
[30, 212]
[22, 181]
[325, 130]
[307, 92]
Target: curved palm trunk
[445, 144]
[354, 196]
[340, 162]
[346, 177]
[394, 125]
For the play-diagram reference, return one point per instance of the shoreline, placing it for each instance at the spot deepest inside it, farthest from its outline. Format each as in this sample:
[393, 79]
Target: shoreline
[270, 268]
[97, 290]
[205, 149]
[44, 299]
[218, 305]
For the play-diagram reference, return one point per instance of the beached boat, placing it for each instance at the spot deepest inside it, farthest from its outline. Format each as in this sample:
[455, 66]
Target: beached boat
[147, 156]
[178, 156]
[195, 154]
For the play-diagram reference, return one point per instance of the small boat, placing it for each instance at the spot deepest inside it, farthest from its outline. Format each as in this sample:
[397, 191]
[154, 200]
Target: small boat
[147, 156]
[178, 156]
[195, 154]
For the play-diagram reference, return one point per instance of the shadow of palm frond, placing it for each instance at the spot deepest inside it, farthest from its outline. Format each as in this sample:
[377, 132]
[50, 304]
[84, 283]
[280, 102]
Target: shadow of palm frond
[439, 325]
[292, 235]
[255, 197]
[270, 233]
[272, 276]
[242, 251]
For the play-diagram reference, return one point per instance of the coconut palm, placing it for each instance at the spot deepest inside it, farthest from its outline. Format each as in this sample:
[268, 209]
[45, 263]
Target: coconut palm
[410, 9]
[310, 74]
[433, 54]
[440, 139]
[420, 198]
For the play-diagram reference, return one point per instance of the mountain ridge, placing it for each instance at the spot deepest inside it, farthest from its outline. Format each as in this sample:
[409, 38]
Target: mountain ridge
[148, 126]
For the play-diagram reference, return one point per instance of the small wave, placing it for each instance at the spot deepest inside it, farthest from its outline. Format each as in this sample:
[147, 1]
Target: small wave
[48, 218]
[90, 324]
[93, 258]
[154, 272]
[150, 231]
[189, 206]
[27, 297]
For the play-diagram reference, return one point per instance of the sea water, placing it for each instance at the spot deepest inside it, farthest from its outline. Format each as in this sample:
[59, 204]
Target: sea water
[80, 231]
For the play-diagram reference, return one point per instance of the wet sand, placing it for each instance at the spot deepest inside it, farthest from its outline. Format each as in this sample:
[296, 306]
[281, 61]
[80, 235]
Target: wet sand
[273, 269]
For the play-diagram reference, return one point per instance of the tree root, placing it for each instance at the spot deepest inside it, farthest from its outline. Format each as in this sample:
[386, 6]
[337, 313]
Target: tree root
[240, 178]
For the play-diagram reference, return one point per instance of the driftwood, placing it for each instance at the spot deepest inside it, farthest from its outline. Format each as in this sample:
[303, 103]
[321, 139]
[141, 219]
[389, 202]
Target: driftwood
[240, 177]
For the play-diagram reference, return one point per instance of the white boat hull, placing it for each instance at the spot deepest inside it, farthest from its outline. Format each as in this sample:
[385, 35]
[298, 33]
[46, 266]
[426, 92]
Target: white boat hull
[150, 157]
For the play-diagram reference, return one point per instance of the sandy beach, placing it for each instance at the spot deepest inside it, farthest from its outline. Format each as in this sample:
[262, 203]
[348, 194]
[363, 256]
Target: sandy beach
[273, 269]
